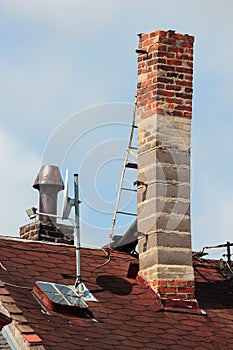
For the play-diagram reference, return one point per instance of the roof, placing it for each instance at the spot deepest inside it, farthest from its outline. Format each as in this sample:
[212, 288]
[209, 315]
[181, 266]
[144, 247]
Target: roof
[3, 343]
[126, 315]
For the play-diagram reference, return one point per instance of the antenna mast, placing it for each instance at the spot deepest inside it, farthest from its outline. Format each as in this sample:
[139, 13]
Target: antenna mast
[77, 231]
[79, 285]
[68, 203]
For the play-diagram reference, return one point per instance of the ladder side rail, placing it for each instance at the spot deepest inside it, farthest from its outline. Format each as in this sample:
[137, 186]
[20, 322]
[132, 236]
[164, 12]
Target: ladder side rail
[122, 175]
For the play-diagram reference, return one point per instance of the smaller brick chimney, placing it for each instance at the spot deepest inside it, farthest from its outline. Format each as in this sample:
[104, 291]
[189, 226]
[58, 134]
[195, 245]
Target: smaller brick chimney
[48, 182]
[164, 101]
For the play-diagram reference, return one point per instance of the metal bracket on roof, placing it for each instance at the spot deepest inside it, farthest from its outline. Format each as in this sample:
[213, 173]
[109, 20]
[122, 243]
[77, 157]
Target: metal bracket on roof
[140, 183]
[139, 51]
[84, 292]
[226, 267]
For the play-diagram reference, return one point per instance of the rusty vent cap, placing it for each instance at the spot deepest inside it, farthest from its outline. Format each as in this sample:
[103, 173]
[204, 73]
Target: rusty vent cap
[49, 175]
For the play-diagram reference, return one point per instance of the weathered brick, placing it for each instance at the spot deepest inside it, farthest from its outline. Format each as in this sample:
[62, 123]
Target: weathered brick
[144, 37]
[166, 239]
[177, 283]
[164, 163]
[174, 62]
[166, 290]
[147, 259]
[173, 87]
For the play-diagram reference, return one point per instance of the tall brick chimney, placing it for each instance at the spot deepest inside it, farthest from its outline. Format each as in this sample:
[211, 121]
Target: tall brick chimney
[164, 100]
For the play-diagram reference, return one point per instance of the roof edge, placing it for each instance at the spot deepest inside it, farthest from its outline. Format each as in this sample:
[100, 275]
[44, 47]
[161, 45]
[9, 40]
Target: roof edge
[28, 241]
[18, 239]
[17, 333]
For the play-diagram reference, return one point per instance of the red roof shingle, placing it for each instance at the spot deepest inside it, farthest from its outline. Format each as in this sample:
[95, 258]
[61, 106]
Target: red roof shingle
[125, 316]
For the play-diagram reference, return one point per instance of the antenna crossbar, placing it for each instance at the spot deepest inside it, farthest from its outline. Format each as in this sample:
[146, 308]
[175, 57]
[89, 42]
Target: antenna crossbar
[128, 189]
[126, 213]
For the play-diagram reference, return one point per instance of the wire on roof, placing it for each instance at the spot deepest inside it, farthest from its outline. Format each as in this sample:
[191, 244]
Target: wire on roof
[102, 265]
[3, 267]
[16, 285]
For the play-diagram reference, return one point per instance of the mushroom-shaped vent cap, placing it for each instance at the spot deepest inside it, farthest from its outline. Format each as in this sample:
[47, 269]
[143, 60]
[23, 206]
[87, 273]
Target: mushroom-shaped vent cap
[49, 175]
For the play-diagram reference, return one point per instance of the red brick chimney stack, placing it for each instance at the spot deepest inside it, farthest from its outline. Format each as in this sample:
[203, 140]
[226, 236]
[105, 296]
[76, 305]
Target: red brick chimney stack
[164, 100]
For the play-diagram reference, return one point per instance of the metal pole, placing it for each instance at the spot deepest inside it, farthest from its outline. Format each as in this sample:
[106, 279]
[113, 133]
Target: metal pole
[77, 231]
[229, 253]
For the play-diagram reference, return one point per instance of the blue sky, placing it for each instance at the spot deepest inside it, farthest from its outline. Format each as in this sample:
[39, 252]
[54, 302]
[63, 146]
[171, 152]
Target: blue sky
[59, 58]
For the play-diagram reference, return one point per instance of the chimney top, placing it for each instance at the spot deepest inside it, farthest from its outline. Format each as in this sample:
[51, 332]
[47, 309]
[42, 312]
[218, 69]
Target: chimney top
[49, 175]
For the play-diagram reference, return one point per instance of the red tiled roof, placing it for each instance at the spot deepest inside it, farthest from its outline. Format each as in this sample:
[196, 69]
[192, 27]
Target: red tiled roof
[126, 315]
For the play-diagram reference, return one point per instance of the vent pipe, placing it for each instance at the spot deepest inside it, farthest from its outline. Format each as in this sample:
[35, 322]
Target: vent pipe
[48, 182]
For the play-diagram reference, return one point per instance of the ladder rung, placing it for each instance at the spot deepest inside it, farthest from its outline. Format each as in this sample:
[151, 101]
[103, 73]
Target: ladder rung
[135, 126]
[133, 153]
[131, 165]
[126, 213]
[135, 148]
[128, 189]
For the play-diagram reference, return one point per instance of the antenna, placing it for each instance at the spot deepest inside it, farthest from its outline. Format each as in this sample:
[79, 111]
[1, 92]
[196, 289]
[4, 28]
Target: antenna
[66, 203]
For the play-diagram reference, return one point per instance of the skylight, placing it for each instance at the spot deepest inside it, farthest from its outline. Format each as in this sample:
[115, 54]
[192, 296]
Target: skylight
[58, 297]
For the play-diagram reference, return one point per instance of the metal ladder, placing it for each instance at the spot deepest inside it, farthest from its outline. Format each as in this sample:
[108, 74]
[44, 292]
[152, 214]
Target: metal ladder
[130, 150]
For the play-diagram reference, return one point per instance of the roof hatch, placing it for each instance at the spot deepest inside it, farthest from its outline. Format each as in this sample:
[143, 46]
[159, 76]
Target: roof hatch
[59, 298]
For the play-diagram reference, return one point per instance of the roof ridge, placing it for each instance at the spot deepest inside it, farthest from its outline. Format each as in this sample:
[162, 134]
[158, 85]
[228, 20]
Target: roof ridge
[28, 241]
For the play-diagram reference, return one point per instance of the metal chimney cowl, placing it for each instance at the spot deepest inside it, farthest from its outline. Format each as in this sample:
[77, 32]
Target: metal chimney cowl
[48, 182]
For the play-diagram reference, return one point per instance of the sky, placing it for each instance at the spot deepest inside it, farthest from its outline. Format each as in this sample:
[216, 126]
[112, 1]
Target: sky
[68, 83]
